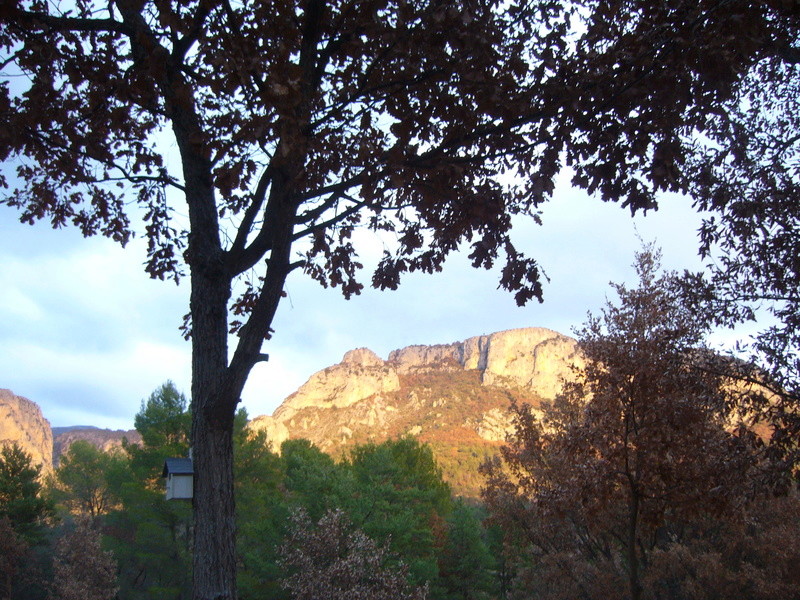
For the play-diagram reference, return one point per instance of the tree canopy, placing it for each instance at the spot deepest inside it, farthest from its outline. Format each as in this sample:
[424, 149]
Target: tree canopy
[164, 420]
[743, 170]
[392, 115]
[279, 128]
[644, 444]
[84, 478]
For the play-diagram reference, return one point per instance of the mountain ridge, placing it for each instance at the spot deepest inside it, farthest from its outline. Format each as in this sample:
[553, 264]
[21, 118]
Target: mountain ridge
[453, 396]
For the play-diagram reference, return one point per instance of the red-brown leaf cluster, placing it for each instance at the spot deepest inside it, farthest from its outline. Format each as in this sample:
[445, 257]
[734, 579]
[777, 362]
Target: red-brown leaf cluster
[334, 561]
[637, 466]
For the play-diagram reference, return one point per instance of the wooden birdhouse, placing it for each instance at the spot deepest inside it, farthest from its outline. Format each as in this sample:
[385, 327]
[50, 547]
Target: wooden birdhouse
[179, 473]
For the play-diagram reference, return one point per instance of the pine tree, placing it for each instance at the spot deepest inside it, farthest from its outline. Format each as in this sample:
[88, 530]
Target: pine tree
[21, 494]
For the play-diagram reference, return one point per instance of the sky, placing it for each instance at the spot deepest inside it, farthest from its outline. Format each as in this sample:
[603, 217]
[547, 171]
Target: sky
[87, 335]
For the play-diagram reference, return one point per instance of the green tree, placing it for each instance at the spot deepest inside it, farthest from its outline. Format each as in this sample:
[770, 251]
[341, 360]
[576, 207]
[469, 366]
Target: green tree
[83, 476]
[636, 449]
[467, 566]
[164, 421]
[398, 495]
[262, 514]
[21, 496]
[392, 491]
[151, 540]
[268, 488]
[149, 535]
[296, 122]
[313, 479]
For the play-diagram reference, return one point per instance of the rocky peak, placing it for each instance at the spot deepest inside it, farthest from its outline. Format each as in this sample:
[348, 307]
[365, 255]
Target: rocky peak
[406, 360]
[424, 389]
[360, 375]
[21, 421]
[363, 357]
[535, 358]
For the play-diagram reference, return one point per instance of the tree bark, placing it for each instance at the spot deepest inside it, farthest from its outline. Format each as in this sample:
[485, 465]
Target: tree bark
[214, 556]
[213, 406]
[633, 557]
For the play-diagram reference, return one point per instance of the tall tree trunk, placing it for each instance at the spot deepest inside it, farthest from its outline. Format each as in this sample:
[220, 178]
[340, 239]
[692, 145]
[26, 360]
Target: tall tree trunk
[214, 525]
[214, 556]
[633, 557]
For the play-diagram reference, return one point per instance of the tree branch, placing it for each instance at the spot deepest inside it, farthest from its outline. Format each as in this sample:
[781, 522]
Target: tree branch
[42, 21]
[284, 168]
[333, 220]
[182, 46]
[239, 243]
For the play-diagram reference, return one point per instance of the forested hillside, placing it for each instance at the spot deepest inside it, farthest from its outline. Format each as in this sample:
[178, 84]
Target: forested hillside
[386, 505]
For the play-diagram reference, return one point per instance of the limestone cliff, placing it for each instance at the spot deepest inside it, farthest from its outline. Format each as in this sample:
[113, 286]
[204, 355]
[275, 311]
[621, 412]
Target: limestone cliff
[361, 374]
[21, 421]
[453, 396]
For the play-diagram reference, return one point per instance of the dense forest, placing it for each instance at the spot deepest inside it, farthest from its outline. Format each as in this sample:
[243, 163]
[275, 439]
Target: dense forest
[650, 476]
[384, 515]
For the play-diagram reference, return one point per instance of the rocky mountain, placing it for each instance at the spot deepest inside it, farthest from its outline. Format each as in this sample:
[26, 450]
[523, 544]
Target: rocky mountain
[452, 396]
[21, 421]
[105, 439]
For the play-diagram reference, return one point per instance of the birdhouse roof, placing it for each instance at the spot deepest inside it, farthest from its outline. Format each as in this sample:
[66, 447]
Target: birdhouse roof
[178, 466]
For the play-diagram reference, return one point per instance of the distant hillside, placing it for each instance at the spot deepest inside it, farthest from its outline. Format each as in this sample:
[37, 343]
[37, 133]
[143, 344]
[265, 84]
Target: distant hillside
[105, 439]
[22, 422]
[454, 397]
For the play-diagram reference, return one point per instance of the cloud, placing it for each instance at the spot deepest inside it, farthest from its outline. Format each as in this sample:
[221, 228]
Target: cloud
[83, 331]
[105, 385]
[87, 335]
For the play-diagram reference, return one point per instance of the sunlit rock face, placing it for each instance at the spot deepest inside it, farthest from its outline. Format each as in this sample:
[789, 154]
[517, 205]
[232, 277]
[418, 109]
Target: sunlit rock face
[453, 396]
[535, 358]
[22, 422]
[360, 375]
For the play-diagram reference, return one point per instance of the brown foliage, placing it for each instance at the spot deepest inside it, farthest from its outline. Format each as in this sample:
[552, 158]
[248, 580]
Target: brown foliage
[82, 570]
[754, 558]
[335, 562]
[745, 172]
[13, 551]
[631, 453]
